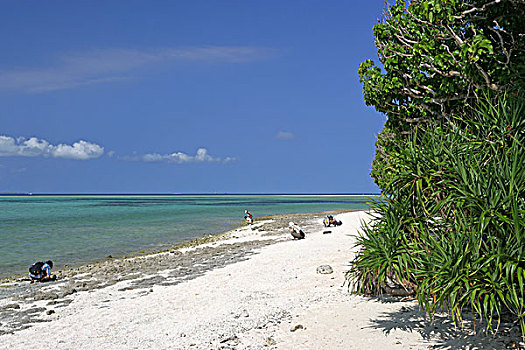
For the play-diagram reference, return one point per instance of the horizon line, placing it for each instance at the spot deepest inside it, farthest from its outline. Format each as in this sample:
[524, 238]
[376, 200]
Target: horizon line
[183, 193]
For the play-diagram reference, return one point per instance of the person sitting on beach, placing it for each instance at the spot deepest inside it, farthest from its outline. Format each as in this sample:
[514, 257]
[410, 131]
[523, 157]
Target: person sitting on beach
[296, 231]
[248, 217]
[335, 222]
[329, 220]
[41, 271]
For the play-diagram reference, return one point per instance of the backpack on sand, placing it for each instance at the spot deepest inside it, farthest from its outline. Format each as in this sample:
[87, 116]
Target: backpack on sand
[36, 268]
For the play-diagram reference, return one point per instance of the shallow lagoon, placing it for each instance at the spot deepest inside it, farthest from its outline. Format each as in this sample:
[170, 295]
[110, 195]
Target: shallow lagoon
[78, 229]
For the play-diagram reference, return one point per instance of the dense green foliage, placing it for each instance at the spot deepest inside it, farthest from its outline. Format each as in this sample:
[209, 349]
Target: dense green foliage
[437, 54]
[450, 161]
[453, 227]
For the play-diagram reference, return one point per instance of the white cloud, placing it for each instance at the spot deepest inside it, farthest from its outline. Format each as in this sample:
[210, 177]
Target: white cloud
[79, 150]
[33, 147]
[109, 65]
[201, 156]
[284, 135]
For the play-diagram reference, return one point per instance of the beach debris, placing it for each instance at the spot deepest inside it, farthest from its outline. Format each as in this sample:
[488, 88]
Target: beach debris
[270, 341]
[228, 339]
[50, 312]
[409, 298]
[296, 327]
[325, 269]
[326, 232]
[243, 313]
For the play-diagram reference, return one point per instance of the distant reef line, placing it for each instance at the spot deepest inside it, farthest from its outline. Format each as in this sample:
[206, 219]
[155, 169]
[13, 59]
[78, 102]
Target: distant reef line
[184, 194]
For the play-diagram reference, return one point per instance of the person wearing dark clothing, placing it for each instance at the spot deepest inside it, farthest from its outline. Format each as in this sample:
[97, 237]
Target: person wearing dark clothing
[329, 220]
[41, 271]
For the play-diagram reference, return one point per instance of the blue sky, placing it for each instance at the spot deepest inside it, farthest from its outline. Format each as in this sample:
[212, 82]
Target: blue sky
[186, 96]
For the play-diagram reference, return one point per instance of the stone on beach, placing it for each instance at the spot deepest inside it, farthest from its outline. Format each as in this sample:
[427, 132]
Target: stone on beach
[325, 269]
[296, 327]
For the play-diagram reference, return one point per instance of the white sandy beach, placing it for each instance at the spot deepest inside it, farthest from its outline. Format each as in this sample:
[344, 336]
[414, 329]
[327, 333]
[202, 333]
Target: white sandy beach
[273, 300]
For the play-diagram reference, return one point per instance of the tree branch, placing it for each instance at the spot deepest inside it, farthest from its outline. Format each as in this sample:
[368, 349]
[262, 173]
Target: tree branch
[476, 9]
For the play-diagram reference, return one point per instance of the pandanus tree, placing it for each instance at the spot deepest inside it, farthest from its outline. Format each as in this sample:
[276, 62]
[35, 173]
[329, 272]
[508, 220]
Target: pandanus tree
[451, 158]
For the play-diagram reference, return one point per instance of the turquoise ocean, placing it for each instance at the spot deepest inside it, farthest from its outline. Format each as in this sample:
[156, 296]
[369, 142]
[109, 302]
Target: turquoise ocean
[80, 229]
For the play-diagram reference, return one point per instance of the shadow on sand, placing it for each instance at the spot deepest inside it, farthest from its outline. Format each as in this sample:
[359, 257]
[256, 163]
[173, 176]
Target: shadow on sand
[442, 332]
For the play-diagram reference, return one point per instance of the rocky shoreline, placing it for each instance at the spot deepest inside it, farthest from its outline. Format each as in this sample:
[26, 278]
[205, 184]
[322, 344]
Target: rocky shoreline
[23, 303]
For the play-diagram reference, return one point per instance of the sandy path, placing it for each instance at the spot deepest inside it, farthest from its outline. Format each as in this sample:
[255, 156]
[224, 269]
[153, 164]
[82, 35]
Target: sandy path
[252, 304]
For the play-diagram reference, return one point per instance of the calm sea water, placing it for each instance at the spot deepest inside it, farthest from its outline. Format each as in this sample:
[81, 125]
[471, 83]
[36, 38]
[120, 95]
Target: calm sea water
[78, 229]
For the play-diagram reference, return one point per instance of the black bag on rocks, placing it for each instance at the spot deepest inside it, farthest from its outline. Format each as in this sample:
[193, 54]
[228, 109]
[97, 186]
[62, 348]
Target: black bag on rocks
[36, 268]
